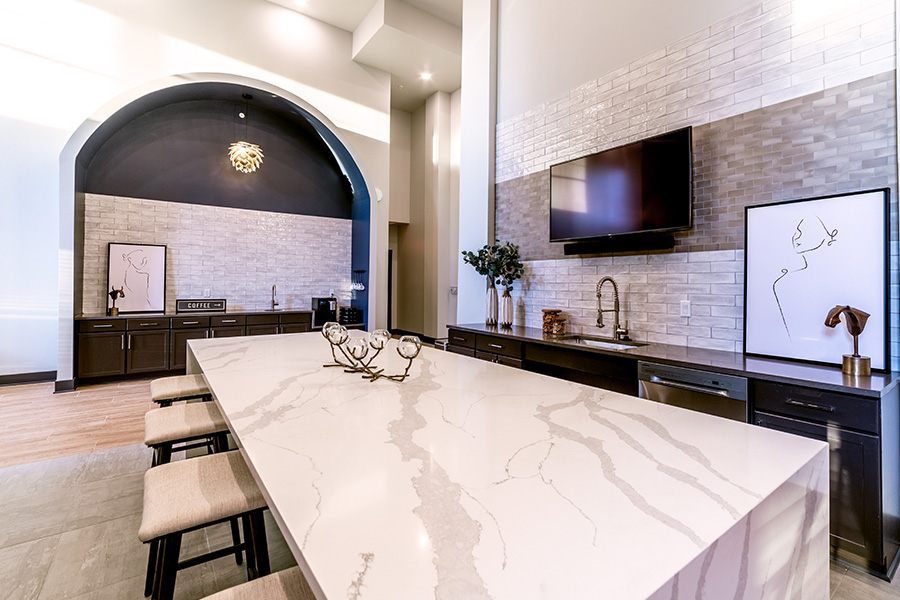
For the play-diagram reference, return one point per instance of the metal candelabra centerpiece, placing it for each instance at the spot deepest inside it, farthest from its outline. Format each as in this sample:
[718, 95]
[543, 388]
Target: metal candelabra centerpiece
[355, 351]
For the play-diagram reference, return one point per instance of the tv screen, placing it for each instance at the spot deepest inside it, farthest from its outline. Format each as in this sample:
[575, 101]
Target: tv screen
[645, 186]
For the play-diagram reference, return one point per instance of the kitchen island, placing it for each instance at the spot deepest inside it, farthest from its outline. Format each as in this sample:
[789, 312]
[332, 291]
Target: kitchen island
[475, 480]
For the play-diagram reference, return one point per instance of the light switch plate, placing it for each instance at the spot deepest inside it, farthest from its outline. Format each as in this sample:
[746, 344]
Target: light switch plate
[685, 308]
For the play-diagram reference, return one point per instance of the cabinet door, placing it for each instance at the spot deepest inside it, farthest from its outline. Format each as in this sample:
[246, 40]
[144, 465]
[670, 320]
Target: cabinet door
[855, 483]
[178, 350]
[101, 354]
[148, 351]
[294, 328]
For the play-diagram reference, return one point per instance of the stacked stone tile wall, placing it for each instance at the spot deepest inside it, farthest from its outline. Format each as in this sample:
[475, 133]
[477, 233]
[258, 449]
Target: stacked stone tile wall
[782, 107]
[237, 254]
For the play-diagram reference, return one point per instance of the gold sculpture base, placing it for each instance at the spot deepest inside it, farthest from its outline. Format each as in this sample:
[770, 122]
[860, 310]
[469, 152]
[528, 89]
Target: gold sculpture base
[114, 312]
[857, 366]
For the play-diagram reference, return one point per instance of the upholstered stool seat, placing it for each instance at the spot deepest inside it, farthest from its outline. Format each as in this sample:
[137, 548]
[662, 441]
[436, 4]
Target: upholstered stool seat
[283, 585]
[164, 427]
[186, 495]
[166, 390]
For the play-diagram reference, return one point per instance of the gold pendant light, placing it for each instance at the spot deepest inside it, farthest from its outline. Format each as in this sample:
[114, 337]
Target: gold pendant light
[244, 156]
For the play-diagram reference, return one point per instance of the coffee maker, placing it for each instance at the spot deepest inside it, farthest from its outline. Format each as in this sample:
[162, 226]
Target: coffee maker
[324, 310]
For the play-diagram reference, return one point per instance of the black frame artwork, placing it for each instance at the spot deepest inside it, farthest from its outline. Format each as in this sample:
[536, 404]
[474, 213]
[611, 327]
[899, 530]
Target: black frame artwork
[141, 270]
[804, 257]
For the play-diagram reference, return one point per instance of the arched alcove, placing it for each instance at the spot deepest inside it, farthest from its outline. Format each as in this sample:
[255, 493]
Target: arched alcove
[163, 148]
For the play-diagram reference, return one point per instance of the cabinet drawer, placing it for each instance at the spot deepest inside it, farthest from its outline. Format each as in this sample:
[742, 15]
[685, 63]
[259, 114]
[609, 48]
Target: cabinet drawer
[228, 321]
[499, 359]
[151, 323]
[296, 318]
[464, 339]
[189, 322]
[461, 350]
[262, 319]
[102, 326]
[843, 410]
[498, 345]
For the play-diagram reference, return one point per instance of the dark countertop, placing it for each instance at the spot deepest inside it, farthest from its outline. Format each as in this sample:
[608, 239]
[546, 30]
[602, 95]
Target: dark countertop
[192, 314]
[733, 363]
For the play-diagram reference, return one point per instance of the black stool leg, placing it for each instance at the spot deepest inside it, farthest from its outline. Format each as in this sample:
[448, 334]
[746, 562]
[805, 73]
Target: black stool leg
[257, 540]
[248, 547]
[171, 548]
[151, 567]
[236, 539]
[165, 453]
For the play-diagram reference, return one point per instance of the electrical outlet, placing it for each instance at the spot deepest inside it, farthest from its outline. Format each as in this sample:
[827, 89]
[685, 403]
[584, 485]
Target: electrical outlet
[206, 292]
[685, 308]
[454, 290]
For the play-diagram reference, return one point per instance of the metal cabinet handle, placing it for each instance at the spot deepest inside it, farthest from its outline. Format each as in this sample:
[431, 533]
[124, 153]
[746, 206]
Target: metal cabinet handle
[129, 341]
[212, 333]
[123, 341]
[229, 320]
[461, 339]
[496, 345]
[206, 334]
[101, 326]
[811, 405]
[148, 324]
[191, 323]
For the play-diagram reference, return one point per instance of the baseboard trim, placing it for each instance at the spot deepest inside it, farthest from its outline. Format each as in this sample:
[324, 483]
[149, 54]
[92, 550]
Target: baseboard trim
[27, 378]
[66, 385]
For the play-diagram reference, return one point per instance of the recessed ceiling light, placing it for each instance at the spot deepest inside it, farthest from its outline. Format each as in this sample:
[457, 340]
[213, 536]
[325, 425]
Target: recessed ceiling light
[426, 76]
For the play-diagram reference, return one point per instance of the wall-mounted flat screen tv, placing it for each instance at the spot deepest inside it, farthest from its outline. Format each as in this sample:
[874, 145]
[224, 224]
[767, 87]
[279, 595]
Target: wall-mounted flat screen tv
[644, 186]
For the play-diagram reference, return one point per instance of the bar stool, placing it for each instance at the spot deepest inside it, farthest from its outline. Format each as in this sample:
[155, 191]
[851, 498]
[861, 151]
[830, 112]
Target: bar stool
[166, 390]
[186, 495]
[184, 423]
[283, 585]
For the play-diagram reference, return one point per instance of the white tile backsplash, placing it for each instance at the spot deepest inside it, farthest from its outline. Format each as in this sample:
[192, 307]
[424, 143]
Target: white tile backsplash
[237, 254]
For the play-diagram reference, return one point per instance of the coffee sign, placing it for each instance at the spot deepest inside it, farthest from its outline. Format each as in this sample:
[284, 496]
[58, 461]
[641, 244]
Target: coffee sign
[201, 305]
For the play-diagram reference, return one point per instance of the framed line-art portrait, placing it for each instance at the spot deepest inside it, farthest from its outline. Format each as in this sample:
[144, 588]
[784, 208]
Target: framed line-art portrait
[804, 257]
[140, 271]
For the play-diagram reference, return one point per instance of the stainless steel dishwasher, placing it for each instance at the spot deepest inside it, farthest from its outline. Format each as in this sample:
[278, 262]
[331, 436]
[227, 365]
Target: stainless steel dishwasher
[710, 393]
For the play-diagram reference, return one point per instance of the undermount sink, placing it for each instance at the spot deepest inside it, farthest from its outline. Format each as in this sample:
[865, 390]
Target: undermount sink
[599, 342]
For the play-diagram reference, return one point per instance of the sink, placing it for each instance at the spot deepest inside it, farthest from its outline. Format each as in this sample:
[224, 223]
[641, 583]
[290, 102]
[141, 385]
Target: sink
[599, 342]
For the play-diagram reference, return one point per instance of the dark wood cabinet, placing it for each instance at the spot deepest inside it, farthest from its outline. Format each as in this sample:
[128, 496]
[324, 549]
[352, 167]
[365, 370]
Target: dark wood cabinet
[178, 349]
[616, 373]
[101, 354]
[147, 351]
[861, 433]
[116, 347]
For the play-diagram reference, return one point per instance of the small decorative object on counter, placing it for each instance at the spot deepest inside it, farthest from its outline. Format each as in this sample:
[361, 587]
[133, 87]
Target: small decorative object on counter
[115, 294]
[855, 319]
[550, 314]
[559, 326]
[501, 265]
[355, 350]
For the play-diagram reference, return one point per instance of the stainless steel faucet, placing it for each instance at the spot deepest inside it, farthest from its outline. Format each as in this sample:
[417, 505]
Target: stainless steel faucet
[618, 332]
[274, 298]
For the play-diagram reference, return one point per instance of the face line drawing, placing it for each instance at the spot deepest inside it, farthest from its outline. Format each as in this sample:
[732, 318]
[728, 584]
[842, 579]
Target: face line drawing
[827, 236]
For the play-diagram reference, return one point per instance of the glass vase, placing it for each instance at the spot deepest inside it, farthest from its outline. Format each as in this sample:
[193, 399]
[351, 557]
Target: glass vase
[505, 317]
[490, 305]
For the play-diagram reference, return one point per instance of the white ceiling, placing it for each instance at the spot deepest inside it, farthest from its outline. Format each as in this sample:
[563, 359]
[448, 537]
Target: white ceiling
[400, 52]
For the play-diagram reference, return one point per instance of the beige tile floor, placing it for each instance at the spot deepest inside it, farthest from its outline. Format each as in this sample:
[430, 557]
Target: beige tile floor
[70, 506]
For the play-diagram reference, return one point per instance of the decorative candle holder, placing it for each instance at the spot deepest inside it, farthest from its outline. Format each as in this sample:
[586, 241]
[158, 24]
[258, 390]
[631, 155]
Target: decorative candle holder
[354, 351]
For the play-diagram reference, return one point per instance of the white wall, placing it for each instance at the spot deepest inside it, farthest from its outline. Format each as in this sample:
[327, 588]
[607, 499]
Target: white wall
[548, 48]
[29, 230]
[72, 61]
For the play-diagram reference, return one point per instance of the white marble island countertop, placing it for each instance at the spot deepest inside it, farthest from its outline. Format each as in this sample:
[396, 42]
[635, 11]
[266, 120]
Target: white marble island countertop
[475, 480]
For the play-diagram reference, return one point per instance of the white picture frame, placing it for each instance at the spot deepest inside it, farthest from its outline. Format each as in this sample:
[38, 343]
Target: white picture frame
[139, 270]
[804, 257]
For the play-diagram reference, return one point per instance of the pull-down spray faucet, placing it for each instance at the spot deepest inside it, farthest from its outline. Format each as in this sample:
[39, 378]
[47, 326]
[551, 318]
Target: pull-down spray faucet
[618, 332]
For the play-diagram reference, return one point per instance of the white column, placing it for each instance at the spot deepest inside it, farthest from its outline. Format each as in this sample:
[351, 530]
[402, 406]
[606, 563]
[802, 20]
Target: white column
[478, 117]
